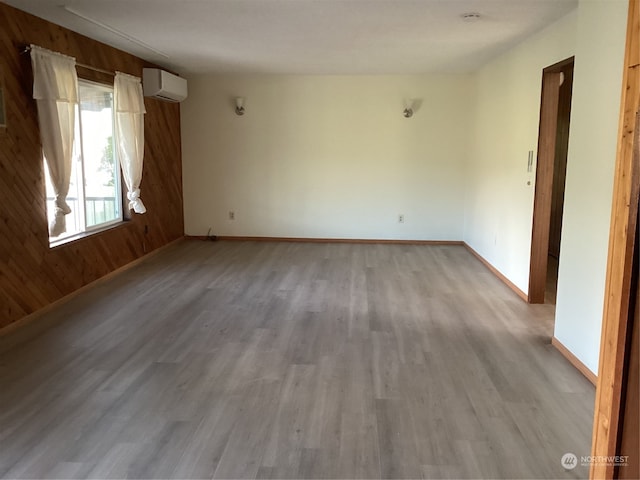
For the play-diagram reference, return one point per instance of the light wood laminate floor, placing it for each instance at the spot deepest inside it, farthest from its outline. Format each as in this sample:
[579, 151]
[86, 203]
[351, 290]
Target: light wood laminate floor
[293, 360]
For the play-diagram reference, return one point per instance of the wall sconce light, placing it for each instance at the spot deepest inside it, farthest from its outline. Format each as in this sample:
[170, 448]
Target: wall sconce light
[408, 108]
[239, 106]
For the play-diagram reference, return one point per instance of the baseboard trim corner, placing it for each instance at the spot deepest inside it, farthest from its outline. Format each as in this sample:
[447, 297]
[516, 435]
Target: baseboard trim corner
[497, 273]
[573, 360]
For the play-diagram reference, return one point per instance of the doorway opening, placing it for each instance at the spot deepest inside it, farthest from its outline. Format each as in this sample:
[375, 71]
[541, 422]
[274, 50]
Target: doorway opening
[551, 169]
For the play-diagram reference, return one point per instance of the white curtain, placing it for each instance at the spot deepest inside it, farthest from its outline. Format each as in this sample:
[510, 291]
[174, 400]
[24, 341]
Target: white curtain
[129, 104]
[55, 89]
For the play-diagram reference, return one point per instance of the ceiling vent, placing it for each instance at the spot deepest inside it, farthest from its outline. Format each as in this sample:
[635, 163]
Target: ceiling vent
[163, 85]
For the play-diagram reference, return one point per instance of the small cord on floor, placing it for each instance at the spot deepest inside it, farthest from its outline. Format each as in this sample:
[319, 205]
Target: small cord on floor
[212, 238]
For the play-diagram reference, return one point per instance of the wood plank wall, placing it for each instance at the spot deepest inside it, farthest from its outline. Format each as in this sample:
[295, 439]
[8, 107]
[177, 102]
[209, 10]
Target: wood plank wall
[31, 274]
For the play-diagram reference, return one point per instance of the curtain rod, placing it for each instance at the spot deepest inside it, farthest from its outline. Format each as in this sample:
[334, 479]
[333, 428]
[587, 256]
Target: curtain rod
[27, 48]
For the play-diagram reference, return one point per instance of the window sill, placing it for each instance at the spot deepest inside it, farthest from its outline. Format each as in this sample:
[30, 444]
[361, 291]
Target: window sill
[91, 233]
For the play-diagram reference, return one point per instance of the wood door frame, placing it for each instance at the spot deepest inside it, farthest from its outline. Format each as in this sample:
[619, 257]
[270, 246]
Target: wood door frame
[607, 423]
[551, 81]
[630, 399]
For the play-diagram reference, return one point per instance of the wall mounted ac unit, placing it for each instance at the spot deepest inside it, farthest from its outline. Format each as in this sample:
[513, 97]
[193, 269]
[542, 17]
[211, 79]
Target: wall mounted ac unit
[163, 85]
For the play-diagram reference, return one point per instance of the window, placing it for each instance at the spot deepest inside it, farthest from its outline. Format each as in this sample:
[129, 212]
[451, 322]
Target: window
[95, 192]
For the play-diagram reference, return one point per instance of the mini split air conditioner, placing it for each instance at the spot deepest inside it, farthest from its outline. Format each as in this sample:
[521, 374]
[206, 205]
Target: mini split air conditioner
[163, 85]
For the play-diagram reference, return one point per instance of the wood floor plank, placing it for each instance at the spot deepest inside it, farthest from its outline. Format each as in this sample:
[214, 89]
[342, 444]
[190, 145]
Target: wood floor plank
[293, 360]
[397, 448]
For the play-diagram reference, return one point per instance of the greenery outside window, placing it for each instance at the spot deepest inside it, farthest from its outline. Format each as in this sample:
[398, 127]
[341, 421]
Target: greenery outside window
[95, 194]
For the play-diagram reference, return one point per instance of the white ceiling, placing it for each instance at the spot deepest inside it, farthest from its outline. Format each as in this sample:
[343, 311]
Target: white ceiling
[306, 36]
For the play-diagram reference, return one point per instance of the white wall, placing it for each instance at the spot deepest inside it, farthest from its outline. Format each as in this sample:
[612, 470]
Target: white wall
[590, 170]
[325, 156]
[499, 202]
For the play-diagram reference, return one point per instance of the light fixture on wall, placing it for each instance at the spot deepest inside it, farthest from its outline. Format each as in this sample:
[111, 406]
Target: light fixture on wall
[239, 105]
[408, 108]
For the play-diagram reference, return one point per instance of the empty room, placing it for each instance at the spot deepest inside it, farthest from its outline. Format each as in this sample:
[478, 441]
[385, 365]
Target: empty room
[319, 239]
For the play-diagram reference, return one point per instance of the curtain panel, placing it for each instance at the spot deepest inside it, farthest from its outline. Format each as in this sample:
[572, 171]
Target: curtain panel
[55, 89]
[129, 120]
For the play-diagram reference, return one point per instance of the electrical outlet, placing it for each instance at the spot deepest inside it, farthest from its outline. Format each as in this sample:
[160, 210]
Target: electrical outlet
[401, 218]
[232, 215]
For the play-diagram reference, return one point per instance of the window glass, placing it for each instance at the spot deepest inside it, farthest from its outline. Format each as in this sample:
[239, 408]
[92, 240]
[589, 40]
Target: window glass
[94, 191]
